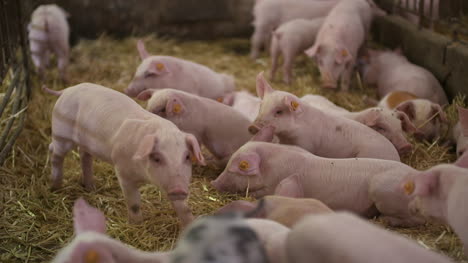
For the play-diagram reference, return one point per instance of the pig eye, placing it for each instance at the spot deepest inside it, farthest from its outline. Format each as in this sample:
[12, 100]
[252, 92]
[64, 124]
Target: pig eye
[155, 158]
[278, 112]
[163, 110]
[379, 129]
[149, 74]
[187, 158]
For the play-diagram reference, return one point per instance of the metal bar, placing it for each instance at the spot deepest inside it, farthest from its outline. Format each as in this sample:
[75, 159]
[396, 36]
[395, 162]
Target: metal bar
[15, 109]
[9, 91]
[24, 48]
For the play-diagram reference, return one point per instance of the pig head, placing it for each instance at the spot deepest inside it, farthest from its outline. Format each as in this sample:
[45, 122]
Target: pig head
[278, 110]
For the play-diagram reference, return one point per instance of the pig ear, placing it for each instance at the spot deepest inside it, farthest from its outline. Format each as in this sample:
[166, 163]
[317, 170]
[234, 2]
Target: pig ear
[436, 109]
[312, 51]
[194, 148]
[408, 108]
[263, 87]
[142, 50]
[426, 183]
[343, 56]
[294, 104]
[145, 147]
[406, 123]
[146, 94]
[174, 106]
[246, 164]
[156, 68]
[290, 187]
[463, 160]
[371, 118]
[463, 117]
[87, 218]
[266, 134]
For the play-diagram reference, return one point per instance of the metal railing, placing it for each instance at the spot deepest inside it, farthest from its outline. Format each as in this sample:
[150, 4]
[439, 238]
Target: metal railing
[443, 16]
[14, 74]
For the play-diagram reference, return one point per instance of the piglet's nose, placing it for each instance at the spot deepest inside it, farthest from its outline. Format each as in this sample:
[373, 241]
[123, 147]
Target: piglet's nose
[253, 129]
[177, 194]
[405, 148]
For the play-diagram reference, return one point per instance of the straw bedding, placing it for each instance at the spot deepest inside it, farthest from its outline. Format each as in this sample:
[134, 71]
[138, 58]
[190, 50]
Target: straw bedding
[37, 222]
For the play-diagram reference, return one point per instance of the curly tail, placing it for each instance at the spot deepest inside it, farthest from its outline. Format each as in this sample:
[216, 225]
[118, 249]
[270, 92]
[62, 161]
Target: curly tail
[53, 92]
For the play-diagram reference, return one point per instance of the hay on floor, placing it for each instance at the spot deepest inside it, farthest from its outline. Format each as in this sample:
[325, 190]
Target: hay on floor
[37, 222]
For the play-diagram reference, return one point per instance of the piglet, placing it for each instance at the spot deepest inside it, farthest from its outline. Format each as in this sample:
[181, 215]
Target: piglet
[331, 238]
[143, 147]
[284, 210]
[270, 14]
[391, 71]
[296, 122]
[440, 193]
[48, 33]
[244, 102]
[426, 116]
[368, 187]
[339, 40]
[160, 72]
[219, 238]
[219, 127]
[392, 124]
[291, 39]
[91, 244]
[460, 131]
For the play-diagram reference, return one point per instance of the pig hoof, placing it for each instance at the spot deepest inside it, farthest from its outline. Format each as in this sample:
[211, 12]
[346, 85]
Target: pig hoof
[89, 187]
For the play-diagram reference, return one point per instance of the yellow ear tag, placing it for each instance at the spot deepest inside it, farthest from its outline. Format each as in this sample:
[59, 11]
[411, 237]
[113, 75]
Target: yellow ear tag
[194, 159]
[160, 66]
[220, 99]
[344, 53]
[92, 256]
[177, 108]
[244, 165]
[294, 105]
[409, 187]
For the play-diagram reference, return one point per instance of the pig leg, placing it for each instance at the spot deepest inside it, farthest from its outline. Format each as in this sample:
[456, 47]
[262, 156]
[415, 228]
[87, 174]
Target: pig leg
[346, 77]
[290, 187]
[87, 167]
[275, 52]
[62, 62]
[132, 197]
[183, 211]
[259, 38]
[58, 150]
[287, 66]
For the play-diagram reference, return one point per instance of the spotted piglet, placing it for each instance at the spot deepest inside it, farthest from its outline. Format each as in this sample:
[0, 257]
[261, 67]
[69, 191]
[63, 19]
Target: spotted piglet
[219, 127]
[220, 238]
[143, 147]
[91, 244]
[161, 72]
[49, 32]
[440, 193]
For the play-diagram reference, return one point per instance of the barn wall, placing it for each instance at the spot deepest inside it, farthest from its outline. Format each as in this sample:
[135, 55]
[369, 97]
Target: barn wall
[199, 19]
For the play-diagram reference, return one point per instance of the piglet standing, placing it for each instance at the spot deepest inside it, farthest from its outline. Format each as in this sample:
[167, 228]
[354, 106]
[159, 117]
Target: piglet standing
[341, 36]
[143, 148]
[270, 14]
[160, 72]
[91, 244]
[48, 33]
[440, 193]
[291, 39]
[330, 238]
[219, 127]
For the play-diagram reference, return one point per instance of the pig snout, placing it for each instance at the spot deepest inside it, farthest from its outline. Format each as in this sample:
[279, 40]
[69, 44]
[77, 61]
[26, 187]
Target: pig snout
[406, 148]
[253, 129]
[177, 193]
